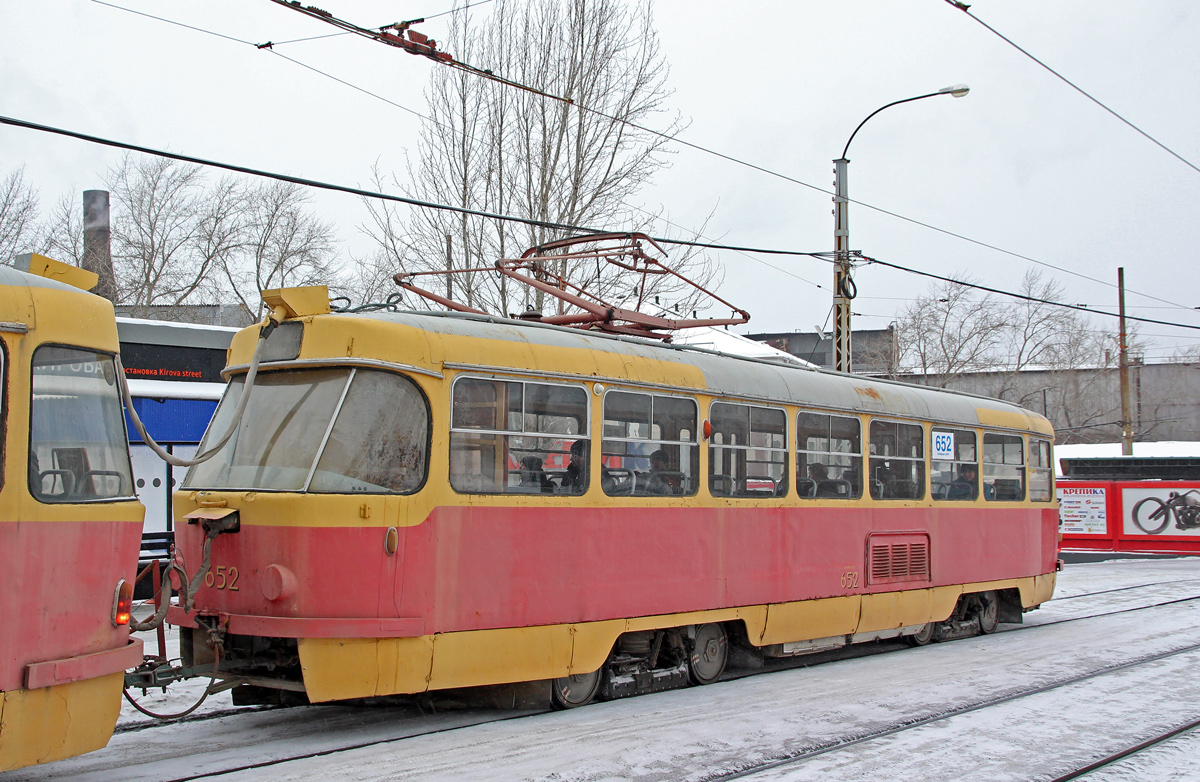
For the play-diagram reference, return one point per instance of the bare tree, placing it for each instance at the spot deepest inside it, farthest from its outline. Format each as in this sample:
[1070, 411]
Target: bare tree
[948, 331]
[61, 235]
[284, 244]
[18, 215]
[160, 250]
[1032, 352]
[500, 149]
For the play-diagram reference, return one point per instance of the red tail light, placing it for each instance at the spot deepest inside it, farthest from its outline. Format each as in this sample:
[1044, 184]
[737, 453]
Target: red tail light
[122, 603]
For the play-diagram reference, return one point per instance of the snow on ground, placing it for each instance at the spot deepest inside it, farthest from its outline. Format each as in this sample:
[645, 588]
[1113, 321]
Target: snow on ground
[699, 733]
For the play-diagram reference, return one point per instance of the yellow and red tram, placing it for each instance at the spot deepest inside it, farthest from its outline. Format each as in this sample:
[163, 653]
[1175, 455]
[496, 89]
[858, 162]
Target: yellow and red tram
[70, 525]
[420, 501]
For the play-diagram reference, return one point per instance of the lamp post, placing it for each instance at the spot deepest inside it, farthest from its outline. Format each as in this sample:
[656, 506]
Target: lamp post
[843, 284]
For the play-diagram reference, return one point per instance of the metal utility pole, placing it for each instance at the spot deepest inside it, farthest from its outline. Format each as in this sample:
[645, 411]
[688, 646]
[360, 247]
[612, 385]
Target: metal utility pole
[843, 284]
[1126, 413]
[842, 281]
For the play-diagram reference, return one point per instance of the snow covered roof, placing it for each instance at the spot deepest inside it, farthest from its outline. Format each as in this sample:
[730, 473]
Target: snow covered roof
[1165, 449]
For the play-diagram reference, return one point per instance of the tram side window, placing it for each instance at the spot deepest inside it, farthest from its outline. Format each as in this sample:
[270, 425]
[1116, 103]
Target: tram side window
[954, 469]
[828, 456]
[649, 445]
[897, 461]
[1003, 467]
[1041, 471]
[77, 446]
[748, 451]
[513, 437]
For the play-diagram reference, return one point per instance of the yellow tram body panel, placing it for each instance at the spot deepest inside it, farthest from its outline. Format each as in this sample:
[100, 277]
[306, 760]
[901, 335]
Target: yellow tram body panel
[60, 721]
[341, 668]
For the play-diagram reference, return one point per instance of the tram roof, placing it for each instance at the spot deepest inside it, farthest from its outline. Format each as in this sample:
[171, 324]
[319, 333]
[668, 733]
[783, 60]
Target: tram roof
[16, 277]
[57, 311]
[739, 376]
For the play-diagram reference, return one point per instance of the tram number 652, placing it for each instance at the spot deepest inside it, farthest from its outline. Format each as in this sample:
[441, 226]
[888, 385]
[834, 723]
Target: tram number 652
[850, 579]
[222, 578]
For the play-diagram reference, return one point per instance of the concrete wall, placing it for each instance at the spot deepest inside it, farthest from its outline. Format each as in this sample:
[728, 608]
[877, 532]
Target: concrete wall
[1085, 404]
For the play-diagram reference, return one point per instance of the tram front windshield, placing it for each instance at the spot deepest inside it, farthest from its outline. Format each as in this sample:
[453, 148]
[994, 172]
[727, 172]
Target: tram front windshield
[78, 451]
[340, 430]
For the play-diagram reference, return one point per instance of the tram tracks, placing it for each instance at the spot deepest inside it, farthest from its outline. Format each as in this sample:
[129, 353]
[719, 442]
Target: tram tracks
[780, 664]
[471, 720]
[860, 650]
[1062, 598]
[838, 745]
[224, 740]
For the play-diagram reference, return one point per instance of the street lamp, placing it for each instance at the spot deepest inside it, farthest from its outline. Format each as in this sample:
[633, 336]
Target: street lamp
[843, 284]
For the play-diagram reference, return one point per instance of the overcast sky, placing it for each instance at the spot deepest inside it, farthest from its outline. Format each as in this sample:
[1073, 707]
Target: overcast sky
[1024, 162]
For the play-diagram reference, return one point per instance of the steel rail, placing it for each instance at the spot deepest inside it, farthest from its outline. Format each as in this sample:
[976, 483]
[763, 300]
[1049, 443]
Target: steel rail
[1136, 748]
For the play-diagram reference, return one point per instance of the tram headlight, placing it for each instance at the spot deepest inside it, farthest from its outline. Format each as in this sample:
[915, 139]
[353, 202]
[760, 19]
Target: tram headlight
[122, 603]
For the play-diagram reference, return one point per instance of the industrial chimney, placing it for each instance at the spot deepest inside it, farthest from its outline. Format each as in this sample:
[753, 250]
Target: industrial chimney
[97, 242]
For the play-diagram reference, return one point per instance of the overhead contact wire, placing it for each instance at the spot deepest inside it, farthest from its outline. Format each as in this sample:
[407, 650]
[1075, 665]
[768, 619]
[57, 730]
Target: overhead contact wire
[676, 139]
[966, 10]
[1022, 296]
[823, 255]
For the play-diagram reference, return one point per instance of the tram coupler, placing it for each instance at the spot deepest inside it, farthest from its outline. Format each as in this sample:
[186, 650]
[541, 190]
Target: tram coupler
[155, 672]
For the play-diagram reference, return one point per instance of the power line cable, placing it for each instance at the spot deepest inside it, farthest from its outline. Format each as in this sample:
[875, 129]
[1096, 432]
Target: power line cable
[677, 139]
[742, 251]
[966, 10]
[465, 7]
[529, 221]
[673, 137]
[425, 18]
[823, 255]
[1022, 296]
[377, 96]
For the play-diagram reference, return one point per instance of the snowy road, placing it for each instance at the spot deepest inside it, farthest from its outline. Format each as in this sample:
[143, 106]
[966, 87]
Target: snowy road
[1107, 664]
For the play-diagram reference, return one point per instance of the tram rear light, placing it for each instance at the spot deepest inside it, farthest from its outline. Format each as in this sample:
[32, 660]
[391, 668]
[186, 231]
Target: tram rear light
[122, 603]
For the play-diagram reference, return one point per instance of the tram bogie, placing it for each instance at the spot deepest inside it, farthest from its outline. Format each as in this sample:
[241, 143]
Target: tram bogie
[430, 502]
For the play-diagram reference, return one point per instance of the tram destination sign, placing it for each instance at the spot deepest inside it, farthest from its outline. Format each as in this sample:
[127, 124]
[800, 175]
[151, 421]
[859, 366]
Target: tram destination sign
[172, 362]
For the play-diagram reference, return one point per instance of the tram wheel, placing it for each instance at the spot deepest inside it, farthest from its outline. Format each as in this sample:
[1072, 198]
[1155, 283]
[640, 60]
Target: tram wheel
[922, 636]
[989, 613]
[710, 652]
[578, 689]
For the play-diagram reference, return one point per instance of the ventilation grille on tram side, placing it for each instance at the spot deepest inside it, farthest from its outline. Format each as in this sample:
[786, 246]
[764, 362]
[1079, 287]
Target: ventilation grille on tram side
[897, 557]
